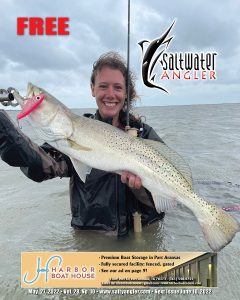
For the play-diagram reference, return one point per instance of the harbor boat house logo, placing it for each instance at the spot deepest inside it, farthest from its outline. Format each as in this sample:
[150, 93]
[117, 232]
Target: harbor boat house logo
[159, 65]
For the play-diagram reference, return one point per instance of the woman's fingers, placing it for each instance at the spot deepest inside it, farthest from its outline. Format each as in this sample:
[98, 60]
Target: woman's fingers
[132, 180]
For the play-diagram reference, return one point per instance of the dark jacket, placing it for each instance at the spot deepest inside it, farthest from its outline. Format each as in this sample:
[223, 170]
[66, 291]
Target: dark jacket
[102, 202]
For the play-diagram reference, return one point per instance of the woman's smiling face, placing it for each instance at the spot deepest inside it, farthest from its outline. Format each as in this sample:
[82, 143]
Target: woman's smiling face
[109, 89]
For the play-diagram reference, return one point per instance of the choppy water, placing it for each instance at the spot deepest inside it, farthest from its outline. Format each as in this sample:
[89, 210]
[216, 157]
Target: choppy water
[36, 217]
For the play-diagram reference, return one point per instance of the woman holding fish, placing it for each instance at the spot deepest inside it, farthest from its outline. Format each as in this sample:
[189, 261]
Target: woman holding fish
[103, 200]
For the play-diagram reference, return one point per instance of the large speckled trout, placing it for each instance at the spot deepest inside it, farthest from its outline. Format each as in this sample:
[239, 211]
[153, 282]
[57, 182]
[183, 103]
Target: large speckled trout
[93, 144]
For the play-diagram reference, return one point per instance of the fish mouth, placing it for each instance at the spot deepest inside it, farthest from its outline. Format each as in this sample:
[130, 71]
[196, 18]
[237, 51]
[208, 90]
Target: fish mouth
[32, 90]
[34, 98]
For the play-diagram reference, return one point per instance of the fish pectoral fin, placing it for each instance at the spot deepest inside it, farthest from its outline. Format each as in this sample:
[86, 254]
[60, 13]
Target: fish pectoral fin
[82, 169]
[77, 146]
[163, 203]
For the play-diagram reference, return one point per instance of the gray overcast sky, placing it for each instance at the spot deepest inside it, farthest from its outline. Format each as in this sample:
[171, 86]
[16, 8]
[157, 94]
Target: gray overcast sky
[62, 65]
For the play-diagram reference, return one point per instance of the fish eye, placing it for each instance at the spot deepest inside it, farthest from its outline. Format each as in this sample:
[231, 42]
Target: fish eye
[38, 98]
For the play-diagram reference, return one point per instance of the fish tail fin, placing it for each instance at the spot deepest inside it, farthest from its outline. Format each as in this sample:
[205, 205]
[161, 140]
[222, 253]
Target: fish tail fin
[219, 229]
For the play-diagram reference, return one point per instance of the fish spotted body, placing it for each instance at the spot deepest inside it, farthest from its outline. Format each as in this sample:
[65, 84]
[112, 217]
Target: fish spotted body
[93, 144]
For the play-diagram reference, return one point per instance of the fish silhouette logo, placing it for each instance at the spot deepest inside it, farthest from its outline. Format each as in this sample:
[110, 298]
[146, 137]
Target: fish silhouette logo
[151, 57]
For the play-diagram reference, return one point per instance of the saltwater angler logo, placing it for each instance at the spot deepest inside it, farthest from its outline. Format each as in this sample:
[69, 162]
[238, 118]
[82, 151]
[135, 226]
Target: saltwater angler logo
[174, 65]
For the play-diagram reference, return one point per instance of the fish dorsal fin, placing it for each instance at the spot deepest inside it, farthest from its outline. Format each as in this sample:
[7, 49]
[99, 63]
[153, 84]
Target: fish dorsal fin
[173, 157]
[82, 169]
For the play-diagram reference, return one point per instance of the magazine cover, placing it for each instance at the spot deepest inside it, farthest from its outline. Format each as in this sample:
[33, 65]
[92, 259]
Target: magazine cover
[119, 145]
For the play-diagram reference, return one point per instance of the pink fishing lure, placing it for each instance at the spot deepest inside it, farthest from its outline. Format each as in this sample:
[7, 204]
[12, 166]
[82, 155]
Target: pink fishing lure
[30, 105]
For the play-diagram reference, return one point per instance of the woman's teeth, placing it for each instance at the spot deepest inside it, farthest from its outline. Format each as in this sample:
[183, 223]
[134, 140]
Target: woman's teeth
[110, 104]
